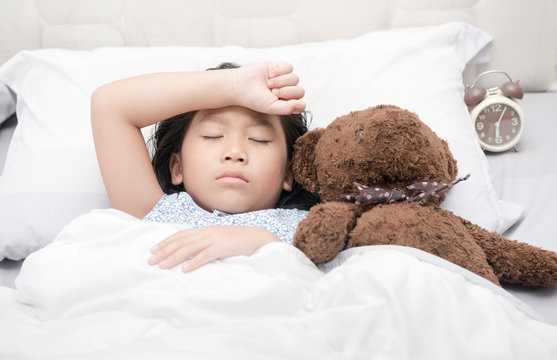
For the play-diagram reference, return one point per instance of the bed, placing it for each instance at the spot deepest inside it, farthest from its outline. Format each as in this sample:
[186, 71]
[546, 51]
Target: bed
[68, 289]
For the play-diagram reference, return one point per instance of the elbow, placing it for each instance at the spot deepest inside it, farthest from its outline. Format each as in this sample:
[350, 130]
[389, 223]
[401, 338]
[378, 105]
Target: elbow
[98, 100]
[101, 104]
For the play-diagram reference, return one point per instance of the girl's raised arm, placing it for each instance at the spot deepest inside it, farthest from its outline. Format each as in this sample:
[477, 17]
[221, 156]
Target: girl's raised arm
[121, 108]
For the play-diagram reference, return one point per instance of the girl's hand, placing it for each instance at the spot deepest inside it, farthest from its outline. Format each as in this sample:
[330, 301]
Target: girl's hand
[270, 88]
[206, 244]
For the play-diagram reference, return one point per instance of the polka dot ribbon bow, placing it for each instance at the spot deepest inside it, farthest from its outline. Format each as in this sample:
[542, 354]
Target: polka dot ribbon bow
[421, 193]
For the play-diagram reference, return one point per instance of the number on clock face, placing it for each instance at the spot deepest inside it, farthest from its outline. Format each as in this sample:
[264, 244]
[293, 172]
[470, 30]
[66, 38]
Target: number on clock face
[498, 124]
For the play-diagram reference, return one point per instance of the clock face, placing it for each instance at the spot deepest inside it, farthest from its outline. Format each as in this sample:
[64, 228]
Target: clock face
[498, 125]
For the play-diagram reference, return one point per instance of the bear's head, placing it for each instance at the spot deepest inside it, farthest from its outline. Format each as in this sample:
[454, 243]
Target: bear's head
[383, 146]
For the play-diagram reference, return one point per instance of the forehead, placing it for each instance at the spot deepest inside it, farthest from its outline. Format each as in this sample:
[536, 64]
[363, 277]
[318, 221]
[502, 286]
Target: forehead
[238, 116]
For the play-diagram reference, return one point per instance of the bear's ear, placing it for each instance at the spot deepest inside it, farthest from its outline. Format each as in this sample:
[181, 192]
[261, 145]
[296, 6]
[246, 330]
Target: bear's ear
[303, 160]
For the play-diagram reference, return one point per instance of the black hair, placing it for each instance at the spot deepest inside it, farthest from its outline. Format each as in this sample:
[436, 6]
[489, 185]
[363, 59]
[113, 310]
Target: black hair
[169, 135]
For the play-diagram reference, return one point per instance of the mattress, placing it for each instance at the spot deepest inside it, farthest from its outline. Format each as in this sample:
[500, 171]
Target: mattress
[527, 177]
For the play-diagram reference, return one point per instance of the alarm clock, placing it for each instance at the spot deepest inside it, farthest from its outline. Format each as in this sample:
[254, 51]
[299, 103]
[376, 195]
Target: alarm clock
[497, 116]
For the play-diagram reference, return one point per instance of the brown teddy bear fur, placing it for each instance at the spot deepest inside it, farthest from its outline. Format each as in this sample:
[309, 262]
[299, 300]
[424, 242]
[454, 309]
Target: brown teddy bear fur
[388, 147]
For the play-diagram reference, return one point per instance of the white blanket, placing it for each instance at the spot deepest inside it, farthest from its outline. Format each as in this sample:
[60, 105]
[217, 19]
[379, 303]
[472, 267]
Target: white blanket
[91, 294]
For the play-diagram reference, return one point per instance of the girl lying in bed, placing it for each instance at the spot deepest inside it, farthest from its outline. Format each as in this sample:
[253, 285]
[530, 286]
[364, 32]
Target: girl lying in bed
[221, 160]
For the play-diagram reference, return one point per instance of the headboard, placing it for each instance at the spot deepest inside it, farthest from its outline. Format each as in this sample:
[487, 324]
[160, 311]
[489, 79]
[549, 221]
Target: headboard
[525, 33]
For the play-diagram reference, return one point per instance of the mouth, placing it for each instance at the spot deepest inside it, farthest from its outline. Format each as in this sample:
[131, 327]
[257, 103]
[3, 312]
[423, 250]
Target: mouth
[232, 177]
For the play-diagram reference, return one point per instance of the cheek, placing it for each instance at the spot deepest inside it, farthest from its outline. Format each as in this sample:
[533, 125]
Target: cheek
[275, 165]
[194, 159]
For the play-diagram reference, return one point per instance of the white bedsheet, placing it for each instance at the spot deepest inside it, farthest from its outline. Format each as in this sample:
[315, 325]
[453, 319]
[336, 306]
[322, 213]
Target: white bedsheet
[515, 174]
[91, 294]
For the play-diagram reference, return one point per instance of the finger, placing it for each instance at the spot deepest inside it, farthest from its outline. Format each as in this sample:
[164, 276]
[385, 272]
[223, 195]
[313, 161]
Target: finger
[161, 245]
[289, 92]
[170, 245]
[279, 68]
[289, 79]
[182, 254]
[204, 257]
[286, 107]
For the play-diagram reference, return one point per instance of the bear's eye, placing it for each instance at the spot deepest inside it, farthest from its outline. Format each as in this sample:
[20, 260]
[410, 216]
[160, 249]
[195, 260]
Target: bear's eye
[359, 133]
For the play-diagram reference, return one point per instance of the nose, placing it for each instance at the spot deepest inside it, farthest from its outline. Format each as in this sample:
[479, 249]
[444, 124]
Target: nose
[235, 151]
[235, 156]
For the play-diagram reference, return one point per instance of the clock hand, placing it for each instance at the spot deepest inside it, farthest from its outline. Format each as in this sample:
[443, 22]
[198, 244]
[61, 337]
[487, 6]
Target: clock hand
[498, 122]
[501, 117]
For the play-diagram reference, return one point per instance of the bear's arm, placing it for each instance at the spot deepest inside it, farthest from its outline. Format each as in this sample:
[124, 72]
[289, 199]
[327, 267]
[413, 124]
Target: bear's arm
[516, 262]
[322, 235]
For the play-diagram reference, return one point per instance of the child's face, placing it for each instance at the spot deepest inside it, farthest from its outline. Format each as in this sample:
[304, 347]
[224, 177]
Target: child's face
[233, 159]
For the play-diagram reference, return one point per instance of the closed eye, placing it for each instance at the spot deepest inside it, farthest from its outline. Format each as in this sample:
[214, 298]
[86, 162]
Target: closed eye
[215, 137]
[260, 141]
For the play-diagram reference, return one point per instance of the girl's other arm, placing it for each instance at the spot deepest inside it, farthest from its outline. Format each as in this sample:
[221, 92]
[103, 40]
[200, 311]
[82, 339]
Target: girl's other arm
[120, 109]
[203, 245]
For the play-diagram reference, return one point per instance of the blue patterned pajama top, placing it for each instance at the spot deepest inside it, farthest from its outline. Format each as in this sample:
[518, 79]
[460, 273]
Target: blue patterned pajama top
[181, 209]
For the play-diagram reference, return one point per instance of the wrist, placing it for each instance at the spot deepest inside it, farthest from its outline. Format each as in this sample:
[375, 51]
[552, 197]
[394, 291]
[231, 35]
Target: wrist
[244, 86]
[234, 88]
[224, 90]
[258, 234]
[216, 89]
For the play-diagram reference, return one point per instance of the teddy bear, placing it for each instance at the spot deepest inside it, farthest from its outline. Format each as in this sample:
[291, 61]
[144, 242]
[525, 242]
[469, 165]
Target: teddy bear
[382, 175]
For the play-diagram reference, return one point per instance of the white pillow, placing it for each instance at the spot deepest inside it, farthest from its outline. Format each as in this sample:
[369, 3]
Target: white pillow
[51, 174]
